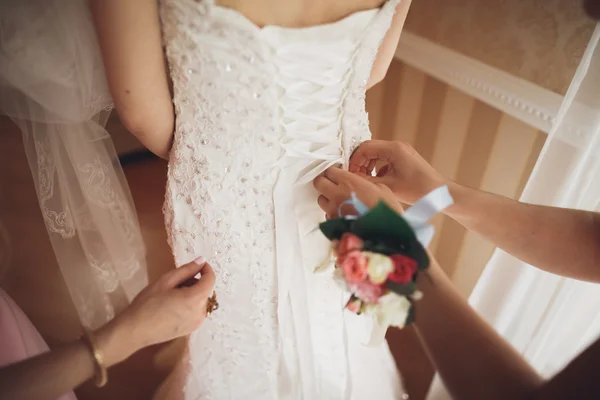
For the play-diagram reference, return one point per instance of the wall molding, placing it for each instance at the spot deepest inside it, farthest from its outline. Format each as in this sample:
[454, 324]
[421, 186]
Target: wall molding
[512, 95]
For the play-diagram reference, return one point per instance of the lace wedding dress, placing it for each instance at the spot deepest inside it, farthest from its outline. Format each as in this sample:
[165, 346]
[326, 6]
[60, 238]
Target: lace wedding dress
[260, 113]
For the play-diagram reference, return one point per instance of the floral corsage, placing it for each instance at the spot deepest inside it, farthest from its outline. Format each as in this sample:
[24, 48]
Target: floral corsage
[378, 256]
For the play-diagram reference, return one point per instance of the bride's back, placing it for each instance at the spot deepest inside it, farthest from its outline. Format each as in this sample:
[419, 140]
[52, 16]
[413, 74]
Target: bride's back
[249, 67]
[265, 101]
[298, 13]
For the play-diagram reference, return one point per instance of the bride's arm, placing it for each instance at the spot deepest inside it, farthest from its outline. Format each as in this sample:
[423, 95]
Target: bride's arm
[130, 40]
[387, 50]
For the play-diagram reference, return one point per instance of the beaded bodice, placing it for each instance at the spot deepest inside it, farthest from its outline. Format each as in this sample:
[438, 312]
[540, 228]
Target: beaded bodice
[260, 113]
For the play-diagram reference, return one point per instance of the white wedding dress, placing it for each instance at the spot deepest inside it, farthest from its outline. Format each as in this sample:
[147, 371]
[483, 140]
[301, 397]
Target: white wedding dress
[260, 113]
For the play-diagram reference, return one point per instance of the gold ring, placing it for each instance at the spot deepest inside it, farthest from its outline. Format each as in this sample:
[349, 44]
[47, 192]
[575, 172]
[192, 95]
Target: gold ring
[212, 304]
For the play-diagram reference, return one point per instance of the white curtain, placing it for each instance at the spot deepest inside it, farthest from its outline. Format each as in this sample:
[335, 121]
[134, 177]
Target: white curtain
[547, 318]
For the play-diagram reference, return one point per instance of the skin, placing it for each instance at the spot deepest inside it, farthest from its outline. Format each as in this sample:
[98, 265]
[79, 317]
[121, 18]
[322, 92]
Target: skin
[521, 229]
[129, 35]
[447, 326]
[161, 312]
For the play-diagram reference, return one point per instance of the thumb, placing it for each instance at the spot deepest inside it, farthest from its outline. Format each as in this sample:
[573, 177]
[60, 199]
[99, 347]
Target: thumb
[183, 273]
[372, 150]
[204, 287]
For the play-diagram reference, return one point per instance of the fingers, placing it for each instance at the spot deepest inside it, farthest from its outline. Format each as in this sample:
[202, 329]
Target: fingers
[328, 190]
[324, 185]
[205, 285]
[340, 176]
[335, 182]
[373, 151]
[334, 174]
[330, 207]
[378, 180]
[371, 167]
[324, 203]
[181, 274]
[336, 186]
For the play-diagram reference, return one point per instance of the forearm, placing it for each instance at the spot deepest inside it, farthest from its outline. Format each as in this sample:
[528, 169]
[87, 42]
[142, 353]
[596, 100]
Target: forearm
[561, 241]
[473, 361]
[59, 371]
[49, 375]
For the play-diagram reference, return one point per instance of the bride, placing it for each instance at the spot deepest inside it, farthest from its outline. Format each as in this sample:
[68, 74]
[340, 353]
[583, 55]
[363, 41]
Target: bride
[266, 95]
[263, 96]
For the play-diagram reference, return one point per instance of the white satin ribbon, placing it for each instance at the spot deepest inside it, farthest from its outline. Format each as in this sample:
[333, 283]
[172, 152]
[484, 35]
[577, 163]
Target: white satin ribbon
[423, 210]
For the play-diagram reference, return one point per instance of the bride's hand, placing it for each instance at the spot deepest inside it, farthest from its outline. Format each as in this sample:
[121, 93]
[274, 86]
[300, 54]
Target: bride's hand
[336, 186]
[164, 310]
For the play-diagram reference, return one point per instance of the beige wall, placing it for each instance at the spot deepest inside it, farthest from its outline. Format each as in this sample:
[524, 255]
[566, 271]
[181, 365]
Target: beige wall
[538, 40]
[465, 139]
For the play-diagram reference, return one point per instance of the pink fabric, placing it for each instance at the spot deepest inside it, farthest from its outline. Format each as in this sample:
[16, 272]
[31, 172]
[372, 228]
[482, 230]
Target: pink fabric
[19, 339]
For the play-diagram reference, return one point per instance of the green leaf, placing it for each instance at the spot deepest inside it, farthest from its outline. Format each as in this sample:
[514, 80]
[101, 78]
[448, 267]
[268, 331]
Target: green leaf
[382, 224]
[381, 248]
[403, 289]
[411, 316]
[387, 232]
[335, 228]
[383, 230]
[362, 306]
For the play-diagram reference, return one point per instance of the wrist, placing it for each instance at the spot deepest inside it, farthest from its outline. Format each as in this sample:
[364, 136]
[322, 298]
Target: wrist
[114, 343]
[410, 193]
[459, 193]
[432, 283]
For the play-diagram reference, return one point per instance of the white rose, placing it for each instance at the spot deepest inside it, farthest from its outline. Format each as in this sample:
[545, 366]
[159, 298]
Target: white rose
[370, 309]
[379, 267]
[392, 310]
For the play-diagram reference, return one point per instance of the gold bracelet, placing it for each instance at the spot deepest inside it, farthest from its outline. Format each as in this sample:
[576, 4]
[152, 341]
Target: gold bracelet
[101, 376]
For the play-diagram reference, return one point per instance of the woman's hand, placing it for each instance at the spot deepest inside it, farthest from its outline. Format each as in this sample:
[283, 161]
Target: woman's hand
[336, 186]
[161, 312]
[405, 172]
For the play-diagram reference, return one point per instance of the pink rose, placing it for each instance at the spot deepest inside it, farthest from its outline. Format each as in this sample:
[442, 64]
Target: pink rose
[349, 242]
[404, 269]
[354, 265]
[367, 291]
[353, 305]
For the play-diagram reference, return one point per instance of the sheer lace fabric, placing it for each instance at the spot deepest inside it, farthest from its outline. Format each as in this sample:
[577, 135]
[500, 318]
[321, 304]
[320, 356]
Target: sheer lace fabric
[52, 85]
